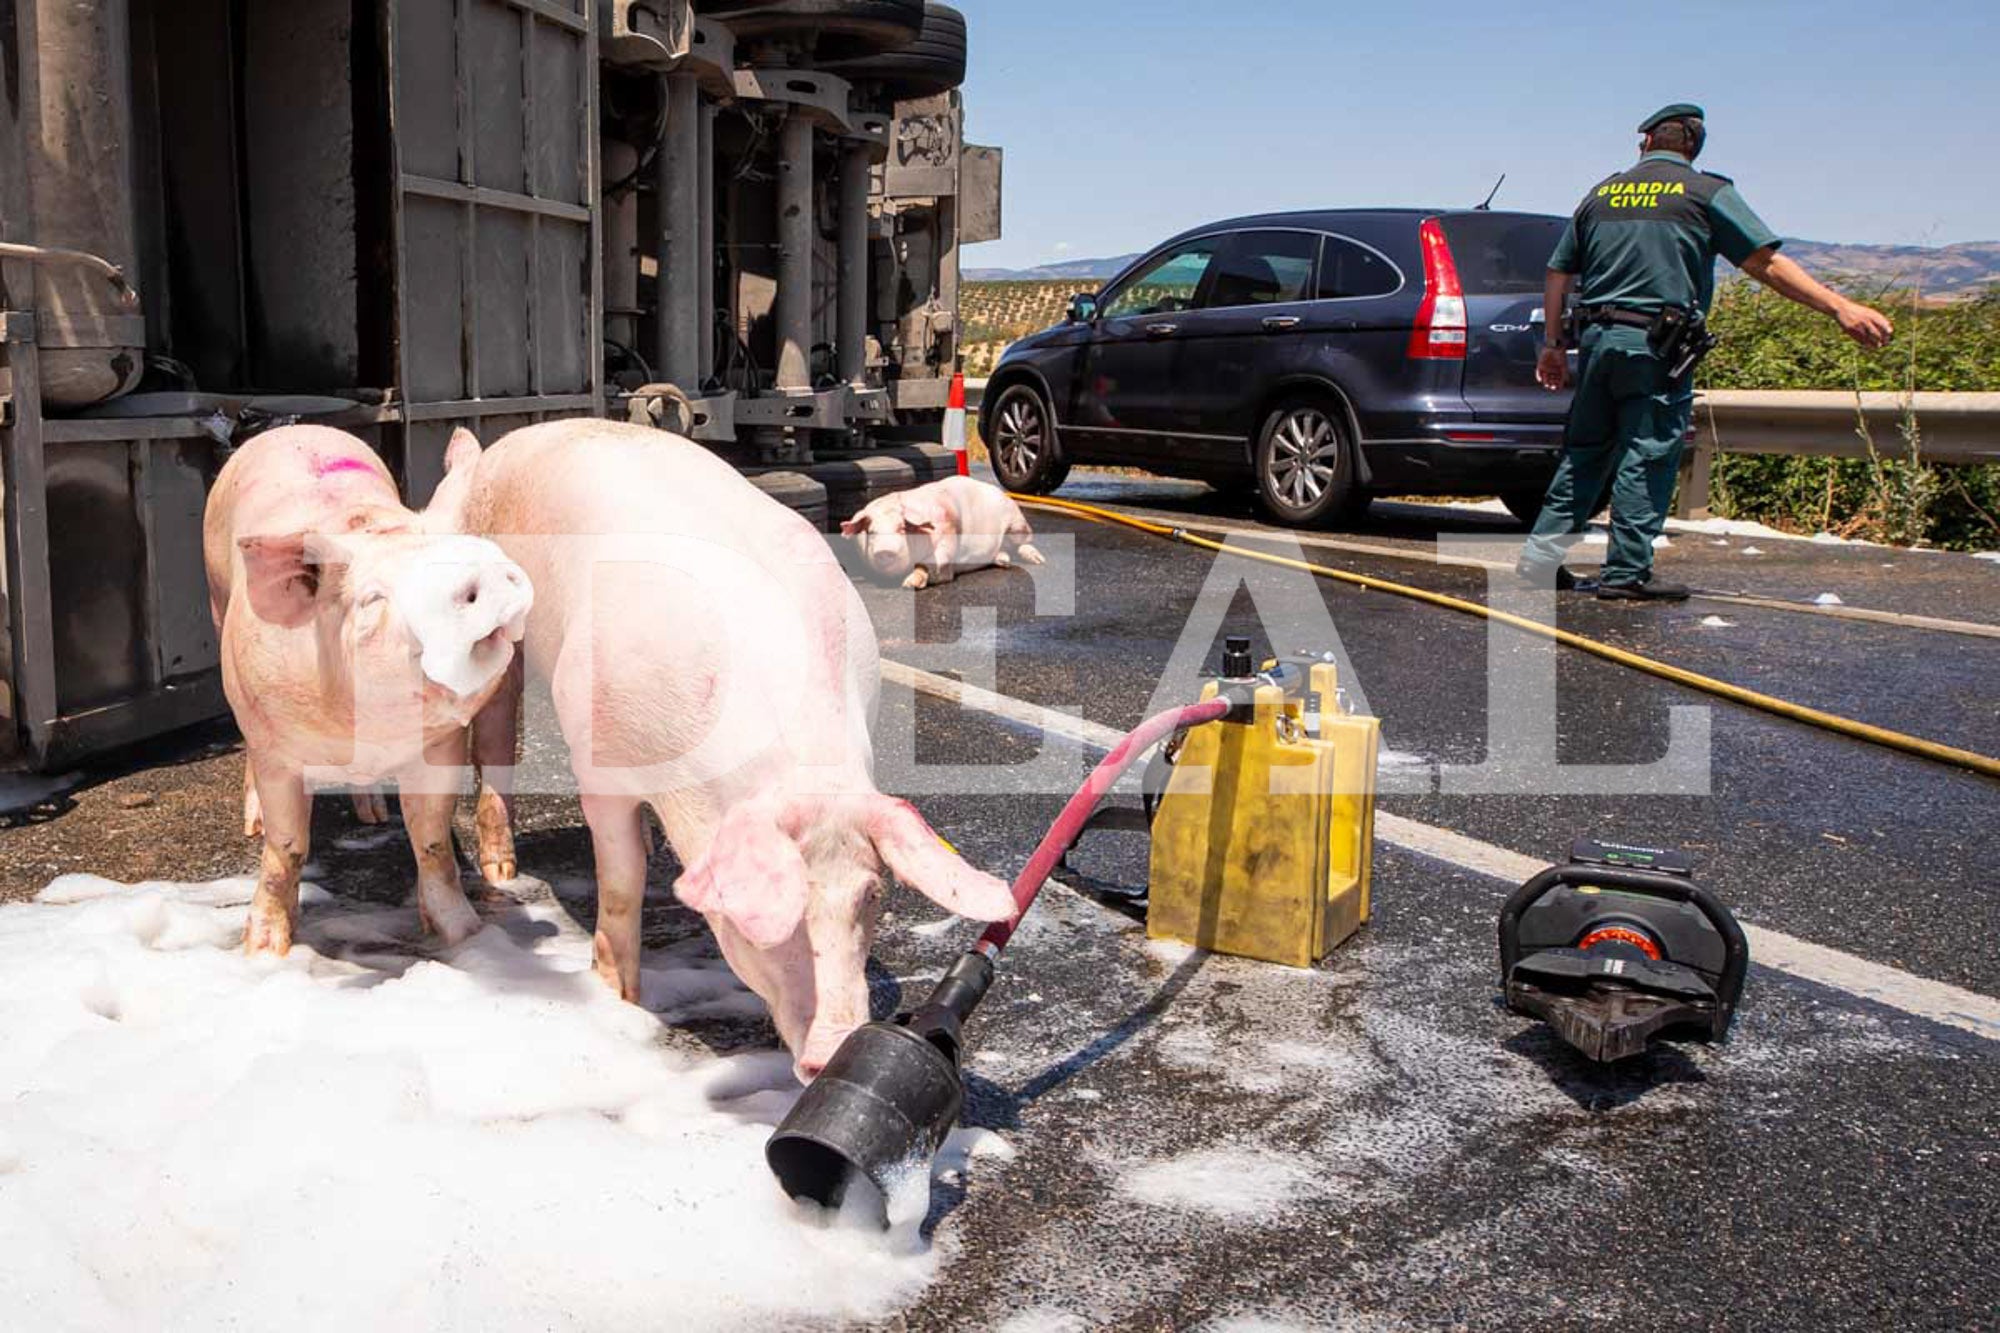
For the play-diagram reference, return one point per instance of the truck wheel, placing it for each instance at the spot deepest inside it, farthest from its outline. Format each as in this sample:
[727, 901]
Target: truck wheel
[1305, 467]
[934, 63]
[1024, 450]
[840, 29]
[1524, 505]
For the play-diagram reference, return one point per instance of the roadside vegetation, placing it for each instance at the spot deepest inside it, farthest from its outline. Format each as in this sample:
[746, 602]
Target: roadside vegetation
[1894, 495]
[1767, 343]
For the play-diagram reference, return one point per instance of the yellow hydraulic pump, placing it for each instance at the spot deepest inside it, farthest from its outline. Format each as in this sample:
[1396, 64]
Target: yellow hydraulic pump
[1263, 839]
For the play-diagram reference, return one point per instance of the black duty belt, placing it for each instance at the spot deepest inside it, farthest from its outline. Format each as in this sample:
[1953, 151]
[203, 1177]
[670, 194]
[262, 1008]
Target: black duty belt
[1611, 314]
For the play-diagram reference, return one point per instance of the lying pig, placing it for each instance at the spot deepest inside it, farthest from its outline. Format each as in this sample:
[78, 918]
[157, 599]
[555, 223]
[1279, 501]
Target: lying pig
[707, 657]
[358, 645]
[934, 532]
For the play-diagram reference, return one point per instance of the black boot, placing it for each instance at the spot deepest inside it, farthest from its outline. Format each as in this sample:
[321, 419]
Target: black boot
[1649, 591]
[1565, 581]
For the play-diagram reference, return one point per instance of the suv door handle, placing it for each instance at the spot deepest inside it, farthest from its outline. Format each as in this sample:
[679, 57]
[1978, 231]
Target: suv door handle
[1279, 323]
[1162, 330]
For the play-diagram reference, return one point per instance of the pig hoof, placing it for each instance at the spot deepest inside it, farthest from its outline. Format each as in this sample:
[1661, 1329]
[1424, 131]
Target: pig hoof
[452, 920]
[500, 870]
[1029, 555]
[267, 937]
[1001, 560]
[370, 807]
[610, 977]
[918, 578]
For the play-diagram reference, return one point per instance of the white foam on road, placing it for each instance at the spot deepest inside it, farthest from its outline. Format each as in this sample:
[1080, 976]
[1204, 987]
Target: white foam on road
[191, 1139]
[1222, 1182]
[1938, 1001]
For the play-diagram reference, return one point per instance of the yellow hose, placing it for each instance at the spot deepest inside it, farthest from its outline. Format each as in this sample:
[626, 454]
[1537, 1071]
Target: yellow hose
[1845, 726]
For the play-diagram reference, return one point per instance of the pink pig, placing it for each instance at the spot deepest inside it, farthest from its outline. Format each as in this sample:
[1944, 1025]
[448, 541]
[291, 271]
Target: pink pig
[933, 532]
[709, 659]
[357, 645]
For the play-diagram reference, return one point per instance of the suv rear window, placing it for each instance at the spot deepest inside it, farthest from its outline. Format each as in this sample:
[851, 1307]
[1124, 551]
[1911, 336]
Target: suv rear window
[1501, 254]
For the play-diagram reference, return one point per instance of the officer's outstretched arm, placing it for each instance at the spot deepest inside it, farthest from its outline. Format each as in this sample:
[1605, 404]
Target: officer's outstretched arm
[1867, 326]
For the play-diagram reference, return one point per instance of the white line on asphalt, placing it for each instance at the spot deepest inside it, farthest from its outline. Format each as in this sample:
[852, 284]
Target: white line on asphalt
[1938, 1001]
[1225, 529]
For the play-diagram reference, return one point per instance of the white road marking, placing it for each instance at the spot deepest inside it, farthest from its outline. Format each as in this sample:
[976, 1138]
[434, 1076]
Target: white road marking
[1224, 529]
[1938, 1001]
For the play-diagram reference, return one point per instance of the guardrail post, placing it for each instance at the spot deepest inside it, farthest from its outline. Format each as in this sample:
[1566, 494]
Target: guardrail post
[1691, 498]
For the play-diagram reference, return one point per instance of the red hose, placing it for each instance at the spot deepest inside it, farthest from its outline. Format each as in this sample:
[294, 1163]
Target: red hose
[1063, 833]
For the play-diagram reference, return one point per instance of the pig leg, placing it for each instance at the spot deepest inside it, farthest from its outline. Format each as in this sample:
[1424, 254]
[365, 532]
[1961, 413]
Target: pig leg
[619, 837]
[287, 820]
[495, 750]
[944, 553]
[1001, 560]
[253, 812]
[430, 796]
[1022, 538]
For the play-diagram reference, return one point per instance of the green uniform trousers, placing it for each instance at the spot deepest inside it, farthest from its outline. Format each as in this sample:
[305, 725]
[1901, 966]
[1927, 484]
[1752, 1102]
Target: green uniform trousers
[1627, 425]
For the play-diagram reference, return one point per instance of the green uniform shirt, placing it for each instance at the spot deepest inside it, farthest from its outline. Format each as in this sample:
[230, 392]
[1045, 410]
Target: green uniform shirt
[1648, 237]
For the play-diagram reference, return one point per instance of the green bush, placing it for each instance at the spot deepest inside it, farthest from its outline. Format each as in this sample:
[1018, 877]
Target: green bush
[1769, 343]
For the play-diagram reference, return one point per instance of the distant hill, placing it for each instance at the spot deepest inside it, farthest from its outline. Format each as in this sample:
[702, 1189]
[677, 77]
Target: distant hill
[1093, 269]
[1965, 269]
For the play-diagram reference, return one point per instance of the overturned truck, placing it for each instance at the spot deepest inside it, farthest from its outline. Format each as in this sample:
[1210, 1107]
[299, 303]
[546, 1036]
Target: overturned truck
[737, 220]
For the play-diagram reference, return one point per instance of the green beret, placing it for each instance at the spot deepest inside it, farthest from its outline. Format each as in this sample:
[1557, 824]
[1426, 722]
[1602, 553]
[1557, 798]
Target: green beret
[1678, 111]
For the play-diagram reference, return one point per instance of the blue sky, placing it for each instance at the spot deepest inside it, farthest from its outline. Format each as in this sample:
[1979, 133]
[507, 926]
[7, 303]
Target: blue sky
[1125, 121]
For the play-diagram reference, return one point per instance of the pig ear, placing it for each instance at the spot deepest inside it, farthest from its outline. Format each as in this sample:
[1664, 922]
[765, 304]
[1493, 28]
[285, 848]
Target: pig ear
[859, 523]
[753, 874]
[912, 849]
[285, 575]
[919, 514]
[463, 449]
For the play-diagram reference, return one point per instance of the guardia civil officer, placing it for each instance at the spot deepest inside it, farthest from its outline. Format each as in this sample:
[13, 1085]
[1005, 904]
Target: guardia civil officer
[1642, 248]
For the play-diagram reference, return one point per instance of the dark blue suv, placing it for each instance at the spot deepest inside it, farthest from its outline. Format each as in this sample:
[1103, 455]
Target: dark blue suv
[1324, 357]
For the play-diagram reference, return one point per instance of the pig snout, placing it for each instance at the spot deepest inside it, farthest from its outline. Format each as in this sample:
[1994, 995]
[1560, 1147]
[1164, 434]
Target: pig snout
[822, 1040]
[466, 605]
[890, 557]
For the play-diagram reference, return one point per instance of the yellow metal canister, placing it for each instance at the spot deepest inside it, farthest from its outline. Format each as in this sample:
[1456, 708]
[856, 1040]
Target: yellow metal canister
[1262, 843]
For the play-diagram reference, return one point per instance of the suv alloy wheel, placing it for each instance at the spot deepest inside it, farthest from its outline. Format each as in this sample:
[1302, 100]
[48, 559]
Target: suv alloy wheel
[1305, 469]
[1025, 452]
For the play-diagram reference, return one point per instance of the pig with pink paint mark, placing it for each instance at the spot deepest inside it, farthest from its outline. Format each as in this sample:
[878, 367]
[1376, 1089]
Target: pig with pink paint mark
[932, 533]
[357, 647]
[709, 659]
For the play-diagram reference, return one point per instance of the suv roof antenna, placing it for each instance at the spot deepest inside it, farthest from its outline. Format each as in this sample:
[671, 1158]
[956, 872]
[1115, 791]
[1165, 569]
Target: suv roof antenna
[1487, 202]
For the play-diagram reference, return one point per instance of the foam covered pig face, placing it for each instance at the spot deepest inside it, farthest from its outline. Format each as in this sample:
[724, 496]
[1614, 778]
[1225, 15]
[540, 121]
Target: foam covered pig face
[890, 538]
[453, 607]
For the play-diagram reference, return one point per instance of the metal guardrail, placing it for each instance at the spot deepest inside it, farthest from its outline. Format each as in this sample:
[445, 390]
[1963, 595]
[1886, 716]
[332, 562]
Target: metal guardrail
[1951, 427]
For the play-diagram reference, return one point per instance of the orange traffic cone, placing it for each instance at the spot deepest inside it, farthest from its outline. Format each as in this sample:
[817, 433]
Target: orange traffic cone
[954, 423]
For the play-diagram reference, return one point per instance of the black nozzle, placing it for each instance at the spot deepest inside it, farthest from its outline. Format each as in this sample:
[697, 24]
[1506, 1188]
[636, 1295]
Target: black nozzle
[1236, 661]
[885, 1101]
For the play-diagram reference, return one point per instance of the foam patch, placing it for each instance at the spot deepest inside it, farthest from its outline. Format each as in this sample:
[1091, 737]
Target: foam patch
[371, 1138]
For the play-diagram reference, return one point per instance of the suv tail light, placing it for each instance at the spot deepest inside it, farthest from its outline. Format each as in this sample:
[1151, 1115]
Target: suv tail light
[1439, 334]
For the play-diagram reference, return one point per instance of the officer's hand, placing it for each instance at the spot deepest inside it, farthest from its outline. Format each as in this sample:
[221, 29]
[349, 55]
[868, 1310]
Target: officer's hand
[1871, 328]
[1552, 368]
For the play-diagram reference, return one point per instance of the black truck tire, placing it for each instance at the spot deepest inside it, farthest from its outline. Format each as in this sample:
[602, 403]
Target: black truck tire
[934, 63]
[839, 29]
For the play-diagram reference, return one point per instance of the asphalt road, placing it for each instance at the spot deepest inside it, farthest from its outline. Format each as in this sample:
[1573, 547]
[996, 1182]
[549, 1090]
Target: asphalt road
[1375, 1143]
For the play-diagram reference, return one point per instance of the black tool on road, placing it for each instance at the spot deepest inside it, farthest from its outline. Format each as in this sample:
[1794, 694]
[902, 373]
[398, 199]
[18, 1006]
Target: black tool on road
[1620, 946]
[892, 1092]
